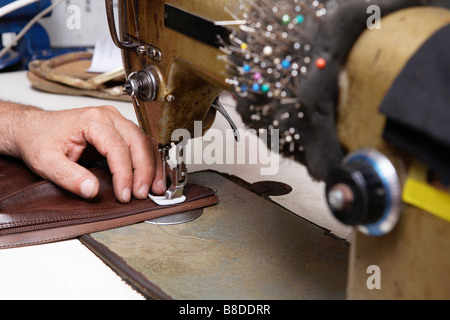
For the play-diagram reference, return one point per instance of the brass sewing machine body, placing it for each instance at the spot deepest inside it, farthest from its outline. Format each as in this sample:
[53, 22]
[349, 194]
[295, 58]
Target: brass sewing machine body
[175, 75]
[188, 74]
[174, 79]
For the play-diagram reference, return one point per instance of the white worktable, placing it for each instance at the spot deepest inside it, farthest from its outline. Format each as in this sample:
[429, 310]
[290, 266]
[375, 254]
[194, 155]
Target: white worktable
[68, 270]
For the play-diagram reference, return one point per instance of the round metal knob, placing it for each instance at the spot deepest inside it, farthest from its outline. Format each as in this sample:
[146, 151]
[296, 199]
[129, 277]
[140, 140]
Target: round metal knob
[355, 193]
[142, 84]
[131, 87]
[364, 191]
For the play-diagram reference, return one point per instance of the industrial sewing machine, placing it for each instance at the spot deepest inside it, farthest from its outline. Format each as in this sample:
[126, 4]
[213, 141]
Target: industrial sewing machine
[318, 72]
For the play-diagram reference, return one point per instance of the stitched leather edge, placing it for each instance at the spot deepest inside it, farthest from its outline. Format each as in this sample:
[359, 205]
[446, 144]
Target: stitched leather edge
[70, 232]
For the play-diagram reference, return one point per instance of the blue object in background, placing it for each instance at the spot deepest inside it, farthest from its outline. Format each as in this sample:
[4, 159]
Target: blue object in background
[35, 44]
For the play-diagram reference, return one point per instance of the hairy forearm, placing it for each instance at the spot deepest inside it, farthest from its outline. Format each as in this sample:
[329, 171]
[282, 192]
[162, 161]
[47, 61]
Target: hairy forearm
[14, 119]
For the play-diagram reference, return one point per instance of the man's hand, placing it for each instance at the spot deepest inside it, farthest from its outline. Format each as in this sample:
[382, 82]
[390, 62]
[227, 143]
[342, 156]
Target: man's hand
[51, 142]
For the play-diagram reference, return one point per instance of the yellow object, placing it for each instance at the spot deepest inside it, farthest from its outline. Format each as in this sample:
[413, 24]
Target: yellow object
[419, 193]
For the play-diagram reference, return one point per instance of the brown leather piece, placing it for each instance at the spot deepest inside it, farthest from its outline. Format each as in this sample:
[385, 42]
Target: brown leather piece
[34, 210]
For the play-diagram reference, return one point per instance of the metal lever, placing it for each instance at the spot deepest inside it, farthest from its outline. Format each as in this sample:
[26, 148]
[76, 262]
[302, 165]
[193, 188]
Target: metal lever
[112, 28]
[219, 107]
[152, 52]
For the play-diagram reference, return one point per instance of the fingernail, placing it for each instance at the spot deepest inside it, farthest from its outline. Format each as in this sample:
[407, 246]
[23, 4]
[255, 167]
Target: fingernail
[126, 195]
[87, 188]
[143, 191]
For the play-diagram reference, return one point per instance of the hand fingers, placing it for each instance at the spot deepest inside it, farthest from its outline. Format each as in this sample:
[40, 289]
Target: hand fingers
[141, 155]
[158, 184]
[143, 162]
[68, 175]
[130, 156]
[112, 146]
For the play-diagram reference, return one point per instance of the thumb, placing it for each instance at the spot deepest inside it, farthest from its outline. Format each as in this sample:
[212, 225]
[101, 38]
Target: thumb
[70, 176]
